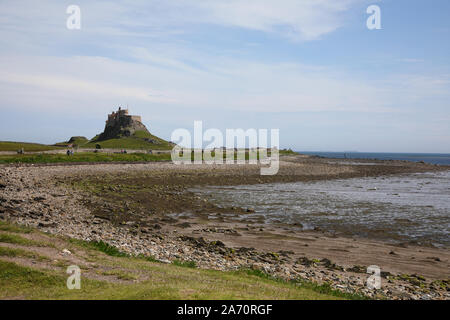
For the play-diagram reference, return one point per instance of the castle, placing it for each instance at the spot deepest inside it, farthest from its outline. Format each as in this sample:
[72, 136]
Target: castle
[121, 116]
[121, 124]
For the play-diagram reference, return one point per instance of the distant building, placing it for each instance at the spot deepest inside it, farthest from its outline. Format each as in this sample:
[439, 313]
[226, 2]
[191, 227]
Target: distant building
[121, 116]
[121, 124]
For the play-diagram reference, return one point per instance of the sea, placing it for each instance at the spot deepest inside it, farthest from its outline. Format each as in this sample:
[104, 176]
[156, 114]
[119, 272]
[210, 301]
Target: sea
[433, 158]
[406, 208]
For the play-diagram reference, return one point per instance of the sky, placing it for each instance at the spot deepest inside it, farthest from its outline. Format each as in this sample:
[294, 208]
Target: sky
[310, 68]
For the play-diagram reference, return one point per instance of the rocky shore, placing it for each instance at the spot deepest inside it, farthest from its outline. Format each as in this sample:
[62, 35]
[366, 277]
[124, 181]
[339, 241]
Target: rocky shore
[147, 209]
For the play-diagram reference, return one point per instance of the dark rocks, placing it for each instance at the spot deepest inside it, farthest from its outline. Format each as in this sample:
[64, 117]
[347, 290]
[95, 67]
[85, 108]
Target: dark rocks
[102, 216]
[330, 265]
[245, 250]
[146, 230]
[218, 243]
[385, 274]
[39, 199]
[219, 230]
[285, 253]
[357, 269]
[47, 224]
[305, 262]
[183, 225]
[35, 214]
[169, 220]
[434, 258]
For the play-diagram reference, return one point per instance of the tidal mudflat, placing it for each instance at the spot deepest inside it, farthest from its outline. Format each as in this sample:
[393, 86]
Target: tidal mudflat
[410, 207]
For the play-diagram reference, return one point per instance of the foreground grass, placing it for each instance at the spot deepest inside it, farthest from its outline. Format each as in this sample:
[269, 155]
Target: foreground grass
[137, 277]
[16, 239]
[14, 228]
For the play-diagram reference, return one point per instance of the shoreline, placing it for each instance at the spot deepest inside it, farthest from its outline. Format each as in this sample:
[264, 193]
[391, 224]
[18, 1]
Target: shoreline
[134, 207]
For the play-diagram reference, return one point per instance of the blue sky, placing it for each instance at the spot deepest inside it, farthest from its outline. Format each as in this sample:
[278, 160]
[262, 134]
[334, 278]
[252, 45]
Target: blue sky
[310, 68]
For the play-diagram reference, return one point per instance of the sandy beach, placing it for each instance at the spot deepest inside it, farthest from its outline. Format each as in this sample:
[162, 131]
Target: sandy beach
[151, 209]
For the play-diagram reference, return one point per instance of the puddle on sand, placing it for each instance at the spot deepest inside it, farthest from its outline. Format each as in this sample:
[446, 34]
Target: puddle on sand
[413, 207]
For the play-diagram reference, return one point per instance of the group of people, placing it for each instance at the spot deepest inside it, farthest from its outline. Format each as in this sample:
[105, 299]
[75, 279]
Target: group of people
[69, 152]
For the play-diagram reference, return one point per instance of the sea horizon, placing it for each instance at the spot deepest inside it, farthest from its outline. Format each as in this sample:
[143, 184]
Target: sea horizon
[433, 158]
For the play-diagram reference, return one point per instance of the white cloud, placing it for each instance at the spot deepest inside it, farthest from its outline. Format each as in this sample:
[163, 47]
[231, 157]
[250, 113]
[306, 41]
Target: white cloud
[231, 85]
[301, 20]
[295, 19]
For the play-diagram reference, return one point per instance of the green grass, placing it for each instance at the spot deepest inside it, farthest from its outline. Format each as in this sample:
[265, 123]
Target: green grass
[92, 157]
[16, 239]
[166, 282]
[76, 142]
[83, 157]
[287, 152]
[16, 252]
[132, 143]
[185, 264]
[324, 288]
[100, 246]
[22, 277]
[14, 228]
[139, 277]
[14, 146]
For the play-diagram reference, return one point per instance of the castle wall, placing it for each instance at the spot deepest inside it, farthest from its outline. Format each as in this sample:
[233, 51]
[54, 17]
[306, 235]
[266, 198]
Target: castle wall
[136, 118]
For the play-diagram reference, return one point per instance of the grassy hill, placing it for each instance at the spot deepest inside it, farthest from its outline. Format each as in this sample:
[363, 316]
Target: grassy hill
[75, 141]
[14, 146]
[107, 273]
[140, 140]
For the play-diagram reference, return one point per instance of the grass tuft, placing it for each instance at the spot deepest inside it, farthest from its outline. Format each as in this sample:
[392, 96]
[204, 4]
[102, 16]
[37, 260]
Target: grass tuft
[324, 288]
[4, 226]
[185, 264]
[14, 252]
[101, 246]
[15, 239]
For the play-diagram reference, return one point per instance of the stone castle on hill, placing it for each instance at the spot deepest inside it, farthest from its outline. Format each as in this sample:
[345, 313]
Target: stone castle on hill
[121, 124]
[120, 115]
